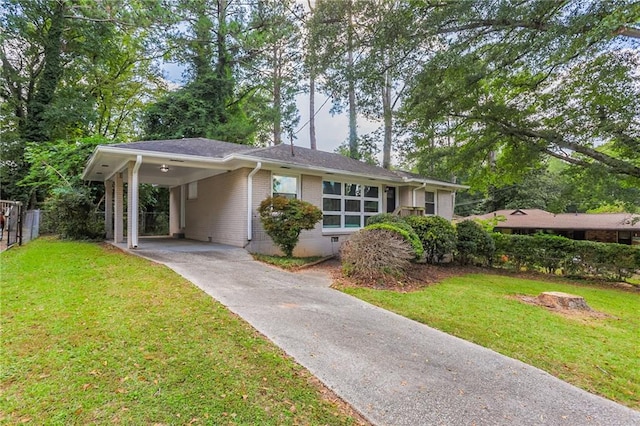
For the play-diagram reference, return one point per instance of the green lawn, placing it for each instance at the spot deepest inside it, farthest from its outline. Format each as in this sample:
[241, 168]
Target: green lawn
[93, 335]
[599, 355]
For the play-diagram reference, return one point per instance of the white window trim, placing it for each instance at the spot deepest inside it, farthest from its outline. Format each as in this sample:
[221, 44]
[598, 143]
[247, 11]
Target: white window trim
[342, 197]
[291, 175]
[435, 202]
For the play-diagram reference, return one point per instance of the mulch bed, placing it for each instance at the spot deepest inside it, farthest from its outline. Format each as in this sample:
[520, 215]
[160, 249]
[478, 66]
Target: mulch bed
[420, 276]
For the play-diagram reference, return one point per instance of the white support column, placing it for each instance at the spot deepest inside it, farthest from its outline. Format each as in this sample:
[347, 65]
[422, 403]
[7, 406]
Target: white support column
[108, 209]
[132, 202]
[118, 207]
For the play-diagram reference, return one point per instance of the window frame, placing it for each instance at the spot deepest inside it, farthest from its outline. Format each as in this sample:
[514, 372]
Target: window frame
[288, 175]
[343, 198]
[434, 203]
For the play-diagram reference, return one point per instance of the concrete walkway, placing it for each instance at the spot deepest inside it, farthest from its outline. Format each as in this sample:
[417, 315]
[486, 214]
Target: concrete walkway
[392, 370]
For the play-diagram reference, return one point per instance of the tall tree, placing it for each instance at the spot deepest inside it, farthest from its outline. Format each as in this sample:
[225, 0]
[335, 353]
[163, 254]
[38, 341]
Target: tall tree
[275, 67]
[204, 35]
[527, 80]
[69, 70]
[334, 38]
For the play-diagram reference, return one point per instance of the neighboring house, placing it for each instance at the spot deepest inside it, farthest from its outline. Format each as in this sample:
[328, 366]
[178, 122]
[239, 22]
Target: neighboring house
[216, 188]
[622, 228]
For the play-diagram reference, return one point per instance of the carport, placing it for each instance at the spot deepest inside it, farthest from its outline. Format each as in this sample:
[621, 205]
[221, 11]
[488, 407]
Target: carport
[141, 163]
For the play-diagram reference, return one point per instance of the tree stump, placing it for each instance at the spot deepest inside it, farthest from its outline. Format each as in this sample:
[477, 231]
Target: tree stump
[559, 300]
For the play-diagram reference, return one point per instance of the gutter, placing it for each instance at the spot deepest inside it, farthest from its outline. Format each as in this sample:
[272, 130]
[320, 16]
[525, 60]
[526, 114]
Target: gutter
[250, 200]
[134, 202]
[243, 156]
[413, 201]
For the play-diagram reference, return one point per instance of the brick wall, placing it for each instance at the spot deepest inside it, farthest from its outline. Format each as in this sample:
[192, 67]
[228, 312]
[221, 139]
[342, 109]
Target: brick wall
[445, 204]
[219, 214]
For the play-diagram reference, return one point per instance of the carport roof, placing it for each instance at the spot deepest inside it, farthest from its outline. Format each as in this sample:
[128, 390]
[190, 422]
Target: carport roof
[224, 155]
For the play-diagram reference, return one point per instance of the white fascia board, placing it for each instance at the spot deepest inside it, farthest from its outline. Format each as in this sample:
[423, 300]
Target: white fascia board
[321, 171]
[436, 183]
[150, 155]
[90, 163]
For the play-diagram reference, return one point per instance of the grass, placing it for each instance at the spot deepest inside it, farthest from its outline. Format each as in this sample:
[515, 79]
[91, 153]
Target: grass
[285, 262]
[598, 355]
[93, 335]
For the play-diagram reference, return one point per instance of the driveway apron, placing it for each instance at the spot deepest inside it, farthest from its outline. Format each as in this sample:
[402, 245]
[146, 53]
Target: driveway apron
[392, 370]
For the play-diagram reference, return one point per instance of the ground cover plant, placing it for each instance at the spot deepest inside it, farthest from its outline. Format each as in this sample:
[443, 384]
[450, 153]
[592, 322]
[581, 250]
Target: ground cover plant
[94, 336]
[599, 355]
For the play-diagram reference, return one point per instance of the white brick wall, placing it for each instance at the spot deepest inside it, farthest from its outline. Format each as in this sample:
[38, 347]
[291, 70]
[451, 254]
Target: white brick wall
[445, 204]
[219, 214]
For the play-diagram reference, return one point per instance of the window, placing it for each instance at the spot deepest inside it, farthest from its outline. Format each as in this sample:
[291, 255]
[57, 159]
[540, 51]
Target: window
[347, 205]
[429, 202]
[192, 191]
[285, 186]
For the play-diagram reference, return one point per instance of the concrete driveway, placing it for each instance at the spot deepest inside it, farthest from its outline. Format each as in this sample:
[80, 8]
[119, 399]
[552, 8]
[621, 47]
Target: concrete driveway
[392, 370]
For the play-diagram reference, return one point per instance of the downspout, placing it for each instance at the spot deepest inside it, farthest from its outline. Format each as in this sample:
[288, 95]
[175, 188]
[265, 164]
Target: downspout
[413, 202]
[133, 215]
[250, 201]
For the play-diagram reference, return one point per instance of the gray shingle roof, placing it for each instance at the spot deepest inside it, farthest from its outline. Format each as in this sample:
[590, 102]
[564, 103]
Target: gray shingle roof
[188, 146]
[314, 158]
[301, 157]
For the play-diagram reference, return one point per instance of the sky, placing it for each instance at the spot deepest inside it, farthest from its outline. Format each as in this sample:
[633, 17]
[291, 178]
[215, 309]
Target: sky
[331, 130]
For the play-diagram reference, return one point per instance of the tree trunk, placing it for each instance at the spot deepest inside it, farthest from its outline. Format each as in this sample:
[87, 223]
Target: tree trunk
[312, 110]
[277, 101]
[556, 299]
[35, 128]
[388, 121]
[353, 133]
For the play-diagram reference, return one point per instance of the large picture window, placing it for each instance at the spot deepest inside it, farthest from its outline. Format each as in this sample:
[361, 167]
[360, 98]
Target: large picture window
[347, 205]
[285, 186]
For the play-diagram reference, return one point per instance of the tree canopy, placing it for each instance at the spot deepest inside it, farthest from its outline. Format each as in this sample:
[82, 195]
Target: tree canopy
[513, 97]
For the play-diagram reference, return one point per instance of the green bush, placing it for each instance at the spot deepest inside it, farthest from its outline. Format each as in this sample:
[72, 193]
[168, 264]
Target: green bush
[553, 254]
[283, 219]
[473, 244]
[372, 253]
[72, 214]
[383, 218]
[437, 235]
[406, 232]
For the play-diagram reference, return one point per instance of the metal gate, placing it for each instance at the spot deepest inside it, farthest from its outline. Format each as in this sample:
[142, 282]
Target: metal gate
[20, 226]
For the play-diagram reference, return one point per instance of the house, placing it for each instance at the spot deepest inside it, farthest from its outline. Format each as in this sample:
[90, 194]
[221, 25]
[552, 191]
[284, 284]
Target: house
[622, 228]
[216, 188]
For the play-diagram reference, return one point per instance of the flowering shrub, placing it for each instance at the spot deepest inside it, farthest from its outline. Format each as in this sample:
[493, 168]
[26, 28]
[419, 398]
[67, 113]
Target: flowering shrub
[283, 219]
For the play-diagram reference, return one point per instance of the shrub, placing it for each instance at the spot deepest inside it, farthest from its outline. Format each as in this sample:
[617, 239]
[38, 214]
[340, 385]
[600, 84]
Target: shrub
[552, 253]
[371, 253]
[72, 214]
[437, 235]
[383, 218]
[406, 232]
[474, 244]
[283, 219]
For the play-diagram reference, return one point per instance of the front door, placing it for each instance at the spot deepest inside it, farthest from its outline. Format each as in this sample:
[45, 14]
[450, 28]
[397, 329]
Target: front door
[391, 199]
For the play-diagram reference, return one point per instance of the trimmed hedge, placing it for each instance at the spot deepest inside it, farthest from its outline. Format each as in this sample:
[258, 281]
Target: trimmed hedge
[437, 235]
[555, 254]
[405, 231]
[474, 244]
[384, 218]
